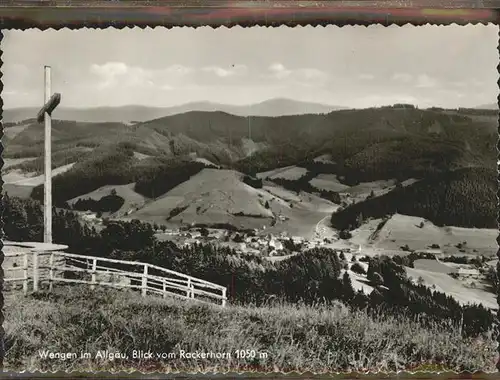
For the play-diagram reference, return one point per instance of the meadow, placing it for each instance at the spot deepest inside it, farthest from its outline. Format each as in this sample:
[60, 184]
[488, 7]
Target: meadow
[285, 337]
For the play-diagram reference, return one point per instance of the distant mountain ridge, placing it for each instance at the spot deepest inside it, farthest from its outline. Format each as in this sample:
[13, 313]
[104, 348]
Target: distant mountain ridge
[133, 113]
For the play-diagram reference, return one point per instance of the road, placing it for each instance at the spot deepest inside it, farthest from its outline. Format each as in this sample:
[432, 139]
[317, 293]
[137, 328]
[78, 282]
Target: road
[322, 230]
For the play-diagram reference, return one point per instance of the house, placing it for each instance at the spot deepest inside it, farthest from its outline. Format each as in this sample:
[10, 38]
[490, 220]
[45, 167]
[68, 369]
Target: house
[89, 216]
[276, 244]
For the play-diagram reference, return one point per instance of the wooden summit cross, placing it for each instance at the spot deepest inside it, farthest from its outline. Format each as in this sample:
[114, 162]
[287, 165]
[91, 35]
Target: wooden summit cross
[51, 102]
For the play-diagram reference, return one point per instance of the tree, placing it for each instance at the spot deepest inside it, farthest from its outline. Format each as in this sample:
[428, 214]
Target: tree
[374, 268]
[171, 144]
[348, 292]
[238, 238]
[377, 279]
[359, 219]
[491, 277]
[344, 234]
[15, 219]
[358, 268]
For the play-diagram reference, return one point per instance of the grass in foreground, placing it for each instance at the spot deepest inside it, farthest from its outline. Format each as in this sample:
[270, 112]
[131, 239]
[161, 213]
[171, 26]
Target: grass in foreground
[294, 337]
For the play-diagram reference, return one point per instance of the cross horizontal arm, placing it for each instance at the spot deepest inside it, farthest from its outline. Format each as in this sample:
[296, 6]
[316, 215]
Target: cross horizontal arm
[49, 107]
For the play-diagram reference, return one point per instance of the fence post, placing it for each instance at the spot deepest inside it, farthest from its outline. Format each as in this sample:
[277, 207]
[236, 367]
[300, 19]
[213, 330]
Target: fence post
[35, 271]
[144, 280]
[224, 297]
[51, 271]
[25, 273]
[94, 267]
[164, 288]
[188, 293]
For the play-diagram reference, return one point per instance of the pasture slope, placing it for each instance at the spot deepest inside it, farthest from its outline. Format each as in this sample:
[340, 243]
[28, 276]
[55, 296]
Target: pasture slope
[133, 200]
[419, 234]
[19, 177]
[18, 183]
[287, 172]
[461, 290]
[210, 196]
[220, 196]
[376, 238]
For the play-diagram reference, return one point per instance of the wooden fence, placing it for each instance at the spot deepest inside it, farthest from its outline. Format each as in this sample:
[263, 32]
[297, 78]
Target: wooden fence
[54, 267]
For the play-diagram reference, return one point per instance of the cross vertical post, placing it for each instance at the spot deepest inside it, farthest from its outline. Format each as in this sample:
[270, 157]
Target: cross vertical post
[51, 102]
[47, 235]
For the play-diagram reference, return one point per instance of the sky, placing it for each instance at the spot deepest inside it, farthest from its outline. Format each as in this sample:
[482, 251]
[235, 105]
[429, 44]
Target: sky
[353, 66]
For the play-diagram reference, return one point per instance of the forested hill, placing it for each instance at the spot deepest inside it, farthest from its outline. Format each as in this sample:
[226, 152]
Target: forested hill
[341, 133]
[365, 145]
[464, 198]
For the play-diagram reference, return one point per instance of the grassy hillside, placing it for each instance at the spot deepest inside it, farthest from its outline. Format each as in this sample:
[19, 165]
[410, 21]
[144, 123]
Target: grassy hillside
[131, 199]
[295, 337]
[209, 196]
[59, 158]
[420, 234]
[464, 198]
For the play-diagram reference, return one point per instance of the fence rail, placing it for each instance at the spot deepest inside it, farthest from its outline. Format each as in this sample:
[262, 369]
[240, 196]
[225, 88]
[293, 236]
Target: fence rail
[59, 267]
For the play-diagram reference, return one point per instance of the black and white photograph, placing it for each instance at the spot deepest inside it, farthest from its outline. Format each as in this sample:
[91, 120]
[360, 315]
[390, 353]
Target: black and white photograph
[262, 199]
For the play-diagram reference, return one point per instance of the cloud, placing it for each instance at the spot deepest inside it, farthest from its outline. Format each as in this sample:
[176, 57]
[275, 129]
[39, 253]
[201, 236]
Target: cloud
[279, 71]
[402, 77]
[300, 76]
[112, 74]
[477, 83]
[178, 70]
[425, 81]
[421, 81]
[109, 69]
[226, 72]
[366, 76]
[459, 84]
[309, 73]
[119, 74]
